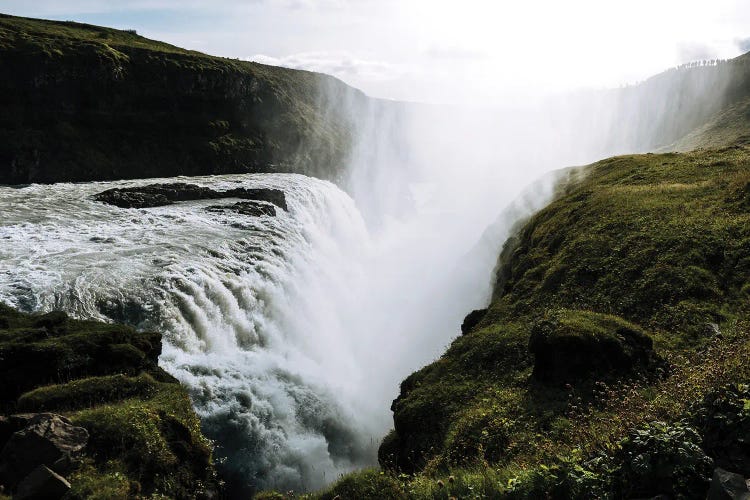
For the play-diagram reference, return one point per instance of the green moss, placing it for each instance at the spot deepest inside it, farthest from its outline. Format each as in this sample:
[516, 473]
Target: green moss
[88, 392]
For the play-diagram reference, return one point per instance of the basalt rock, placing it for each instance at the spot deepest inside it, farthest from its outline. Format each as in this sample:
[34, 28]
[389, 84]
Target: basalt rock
[157, 195]
[728, 486]
[47, 439]
[472, 319]
[249, 208]
[42, 484]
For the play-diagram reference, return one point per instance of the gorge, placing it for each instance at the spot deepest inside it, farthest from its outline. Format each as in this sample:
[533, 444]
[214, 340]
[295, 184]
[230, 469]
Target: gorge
[291, 325]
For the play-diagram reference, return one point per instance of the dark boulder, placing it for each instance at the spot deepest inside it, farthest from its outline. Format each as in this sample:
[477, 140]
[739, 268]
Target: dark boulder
[250, 208]
[54, 321]
[571, 345]
[46, 439]
[157, 195]
[42, 484]
[472, 319]
[727, 486]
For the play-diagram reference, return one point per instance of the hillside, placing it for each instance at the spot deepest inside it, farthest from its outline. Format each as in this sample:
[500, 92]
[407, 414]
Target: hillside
[621, 304]
[83, 102]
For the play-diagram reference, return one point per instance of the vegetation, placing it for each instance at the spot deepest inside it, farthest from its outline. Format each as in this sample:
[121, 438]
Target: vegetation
[85, 102]
[145, 438]
[612, 361]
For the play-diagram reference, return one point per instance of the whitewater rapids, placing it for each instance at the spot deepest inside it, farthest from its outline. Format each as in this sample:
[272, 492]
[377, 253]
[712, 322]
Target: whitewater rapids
[243, 302]
[291, 333]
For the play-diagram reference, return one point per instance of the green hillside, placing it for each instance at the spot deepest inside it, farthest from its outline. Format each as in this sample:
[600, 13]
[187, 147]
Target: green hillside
[83, 102]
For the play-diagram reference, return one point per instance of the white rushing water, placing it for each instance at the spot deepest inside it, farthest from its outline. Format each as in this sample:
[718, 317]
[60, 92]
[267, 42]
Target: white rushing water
[290, 332]
[245, 304]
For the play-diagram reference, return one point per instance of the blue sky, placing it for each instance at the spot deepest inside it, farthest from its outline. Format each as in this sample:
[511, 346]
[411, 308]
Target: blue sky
[437, 50]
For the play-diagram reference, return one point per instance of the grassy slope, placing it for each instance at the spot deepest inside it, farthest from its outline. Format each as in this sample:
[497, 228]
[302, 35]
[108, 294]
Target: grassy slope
[145, 438]
[661, 241]
[84, 102]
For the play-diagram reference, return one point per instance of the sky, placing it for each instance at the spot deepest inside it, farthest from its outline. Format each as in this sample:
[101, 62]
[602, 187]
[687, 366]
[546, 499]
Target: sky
[437, 50]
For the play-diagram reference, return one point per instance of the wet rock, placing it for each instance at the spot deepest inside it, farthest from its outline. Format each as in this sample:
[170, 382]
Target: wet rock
[44, 440]
[472, 319]
[156, 195]
[728, 486]
[250, 208]
[42, 484]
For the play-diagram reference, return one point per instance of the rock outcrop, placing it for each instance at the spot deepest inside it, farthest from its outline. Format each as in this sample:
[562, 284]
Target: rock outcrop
[728, 486]
[157, 195]
[572, 345]
[249, 208]
[472, 319]
[34, 459]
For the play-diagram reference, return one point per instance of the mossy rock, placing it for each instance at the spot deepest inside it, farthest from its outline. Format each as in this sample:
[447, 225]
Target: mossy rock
[570, 345]
[50, 348]
[145, 438]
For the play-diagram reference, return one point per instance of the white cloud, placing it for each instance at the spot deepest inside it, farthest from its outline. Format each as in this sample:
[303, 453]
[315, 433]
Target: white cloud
[339, 64]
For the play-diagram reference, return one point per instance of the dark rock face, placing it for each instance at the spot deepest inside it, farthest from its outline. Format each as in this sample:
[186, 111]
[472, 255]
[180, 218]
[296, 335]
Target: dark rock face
[84, 103]
[573, 345]
[250, 208]
[157, 195]
[728, 486]
[42, 484]
[47, 439]
[472, 319]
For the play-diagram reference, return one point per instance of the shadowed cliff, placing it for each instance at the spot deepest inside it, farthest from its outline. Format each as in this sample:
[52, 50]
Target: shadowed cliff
[84, 103]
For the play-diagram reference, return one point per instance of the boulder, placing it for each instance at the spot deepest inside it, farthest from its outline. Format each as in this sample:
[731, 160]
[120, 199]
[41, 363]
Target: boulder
[53, 321]
[571, 345]
[47, 439]
[728, 486]
[472, 319]
[157, 195]
[9, 425]
[42, 484]
[250, 208]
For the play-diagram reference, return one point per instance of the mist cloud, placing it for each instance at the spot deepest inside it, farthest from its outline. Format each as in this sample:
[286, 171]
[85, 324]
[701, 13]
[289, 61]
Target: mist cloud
[744, 44]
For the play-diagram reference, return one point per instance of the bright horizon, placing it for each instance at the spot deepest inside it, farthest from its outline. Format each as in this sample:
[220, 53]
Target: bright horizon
[437, 50]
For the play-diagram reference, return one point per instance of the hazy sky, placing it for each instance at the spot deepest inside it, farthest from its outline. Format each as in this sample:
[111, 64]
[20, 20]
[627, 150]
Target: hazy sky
[437, 50]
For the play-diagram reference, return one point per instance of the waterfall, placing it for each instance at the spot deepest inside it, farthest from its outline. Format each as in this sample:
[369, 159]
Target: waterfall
[255, 311]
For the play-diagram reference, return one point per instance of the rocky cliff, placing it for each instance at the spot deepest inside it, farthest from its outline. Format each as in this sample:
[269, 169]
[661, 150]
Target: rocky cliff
[85, 103]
